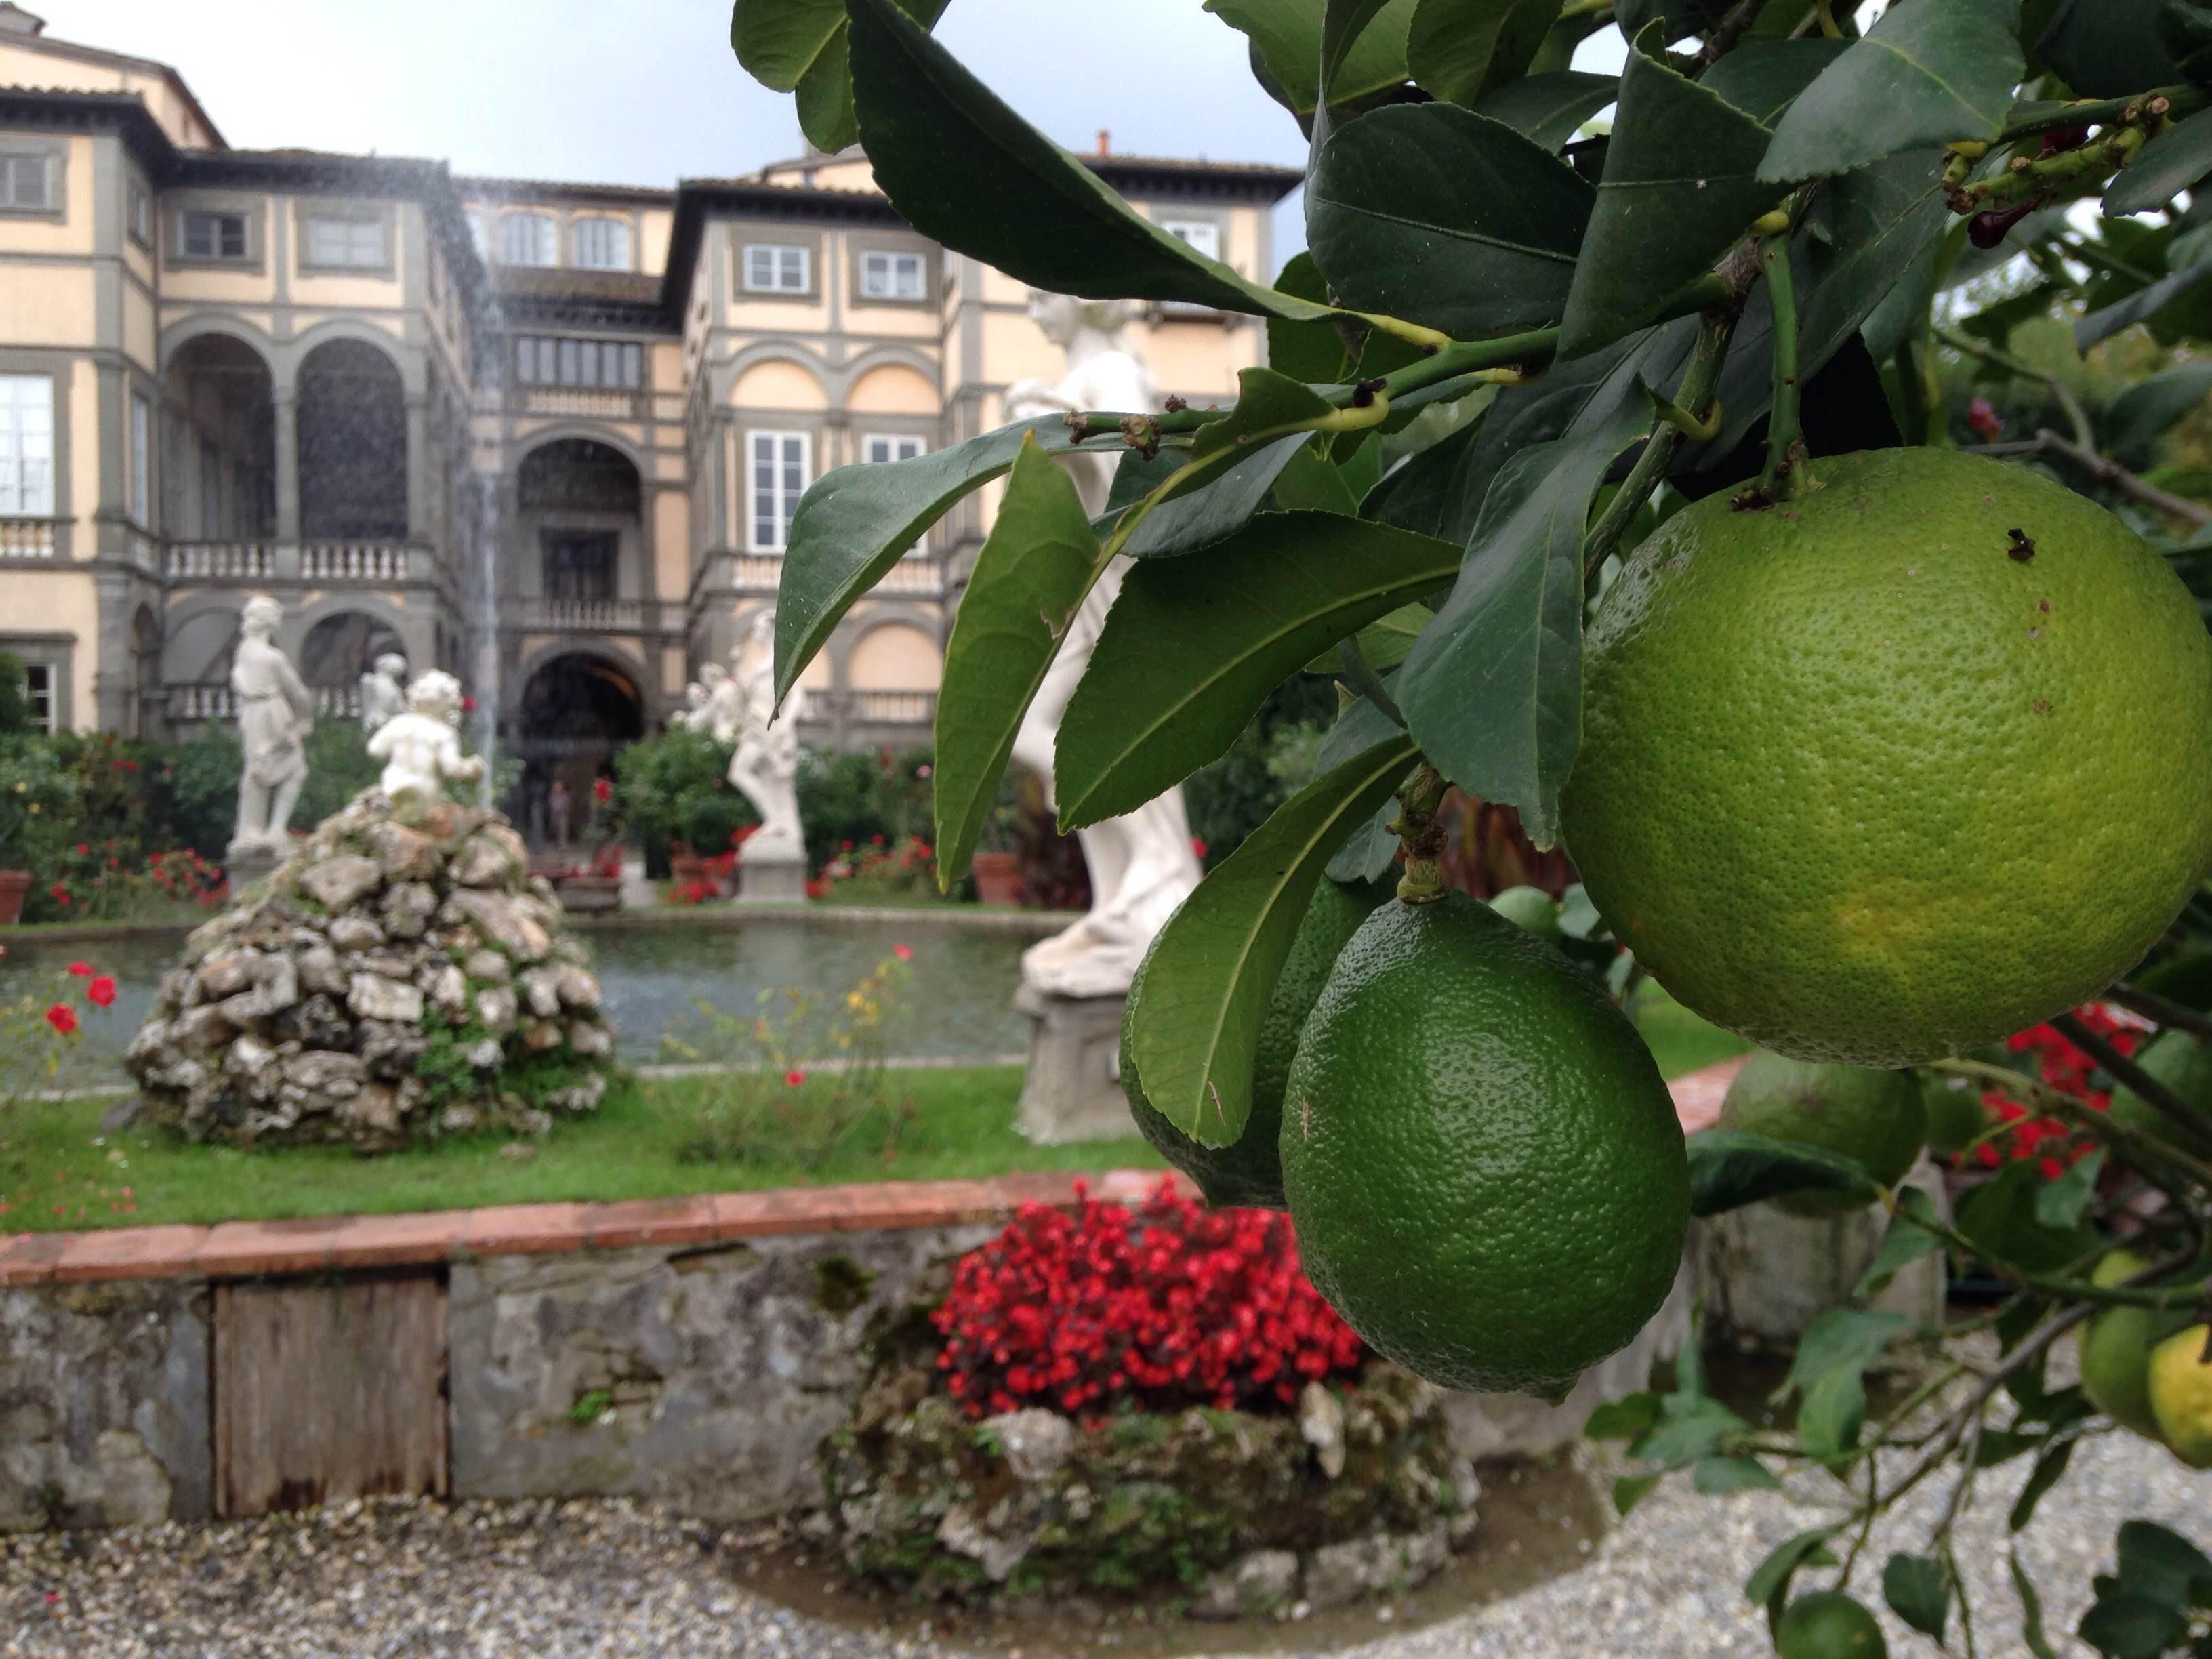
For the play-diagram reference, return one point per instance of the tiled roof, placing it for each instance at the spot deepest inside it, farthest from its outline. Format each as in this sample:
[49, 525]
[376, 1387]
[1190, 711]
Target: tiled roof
[487, 186]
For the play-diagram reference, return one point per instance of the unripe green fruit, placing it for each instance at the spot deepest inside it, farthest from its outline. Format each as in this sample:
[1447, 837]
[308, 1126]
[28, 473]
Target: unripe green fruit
[1876, 1117]
[1531, 908]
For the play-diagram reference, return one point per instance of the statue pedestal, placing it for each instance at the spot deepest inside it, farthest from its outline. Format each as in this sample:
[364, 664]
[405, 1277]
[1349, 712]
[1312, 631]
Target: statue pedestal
[638, 893]
[1071, 1089]
[770, 880]
[248, 863]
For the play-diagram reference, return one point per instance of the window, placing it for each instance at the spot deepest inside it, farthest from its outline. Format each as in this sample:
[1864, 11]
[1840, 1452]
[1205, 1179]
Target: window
[211, 235]
[544, 360]
[1203, 235]
[775, 268]
[27, 446]
[779, 464]
[892, 277]
[602, 244]
[477, 234]
[579, 564]
[528, 239]
[355, 242]
[138, 215]
[40, 691]
[27, 183]
[141, 459]
[210, 490]
[879, 447]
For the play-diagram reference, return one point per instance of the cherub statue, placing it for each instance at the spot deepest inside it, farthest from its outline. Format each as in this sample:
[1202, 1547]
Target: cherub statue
[274, 714]
[383, 690]
[420, 749]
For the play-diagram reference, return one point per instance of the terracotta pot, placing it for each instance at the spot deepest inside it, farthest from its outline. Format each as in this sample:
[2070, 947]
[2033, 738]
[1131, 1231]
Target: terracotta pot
[14, 884]
[582, 893]
[997, 877]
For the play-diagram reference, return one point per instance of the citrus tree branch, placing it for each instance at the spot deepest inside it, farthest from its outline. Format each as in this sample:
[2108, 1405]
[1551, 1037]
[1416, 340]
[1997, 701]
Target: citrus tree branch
[2105, 470]
[2162, 1011]
[2140, 1149]
[2089, 111]
[2177, 1111]
[1957, 340]
[1695, 394]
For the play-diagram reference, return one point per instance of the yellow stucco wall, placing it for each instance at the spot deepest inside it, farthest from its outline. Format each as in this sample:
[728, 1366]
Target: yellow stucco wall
[779, 384]
[895, 657]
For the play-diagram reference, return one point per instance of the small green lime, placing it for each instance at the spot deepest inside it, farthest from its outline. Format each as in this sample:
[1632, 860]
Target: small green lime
[2116, 1350]
[1249, 1173]
[1955, 1112]
[1874, 1116]
[1828, 1625]
[1531, 908]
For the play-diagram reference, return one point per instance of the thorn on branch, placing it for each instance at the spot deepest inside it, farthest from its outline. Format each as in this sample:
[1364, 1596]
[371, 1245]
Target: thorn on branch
[1142, 434]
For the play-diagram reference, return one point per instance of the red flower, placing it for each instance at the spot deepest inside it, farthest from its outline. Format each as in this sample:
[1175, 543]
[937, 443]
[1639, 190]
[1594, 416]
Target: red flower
[62, 1017]
[794, 1077]
[83, 850]
[1982, 416]
[102, 991]
[903, 952]
[602, 791]
[1197, 847]
[81, 970]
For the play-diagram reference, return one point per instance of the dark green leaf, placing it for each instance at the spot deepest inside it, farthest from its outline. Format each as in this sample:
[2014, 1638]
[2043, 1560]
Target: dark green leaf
[1729, 1170]
[2108, 48]
[824, 101]
[1287, 35]
[1843, 1340]
[1193, 646]
[1929, 71]
[2002, 1445]
[2124, 1626]
[777, 41]
[1623, 1419]
[1493, 688]
[854, 524]
[1311, 350]
[1904, 1242]
[1918, 1591]
[1460, 49]
[1343, 22]
[1680, 187]
[2145, 412]
[2159, 1563]
[965, 170]
[1691, 1426]
[1135, 476]
[1223, 504]
[1831, 1414]
[1996, 322]
[1434, 213]
[1549, 109]
[1384, 642]
[1769, 1579]
[2144, 305]
[1267, 403]
[2061, 1203]
[1370, 848]
[2000, 1217]
[1725, 1474]
[2050, 1466]
[1030, 577]
[1762, 77]
[2031, 1611]
[1312, 483]
[2171, 163]
[1628, 1490]
[1214, 965]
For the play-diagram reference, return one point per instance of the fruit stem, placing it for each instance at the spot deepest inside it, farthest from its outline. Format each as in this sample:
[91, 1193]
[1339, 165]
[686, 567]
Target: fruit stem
[1419, 840]
[1787, 474]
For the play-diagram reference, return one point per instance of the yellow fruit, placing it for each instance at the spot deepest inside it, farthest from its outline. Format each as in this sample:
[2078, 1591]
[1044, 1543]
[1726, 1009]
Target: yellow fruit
[2181, 1394]
[1485, 1166]
[2116, 1350]
[1848, 781]
[1876, 1117]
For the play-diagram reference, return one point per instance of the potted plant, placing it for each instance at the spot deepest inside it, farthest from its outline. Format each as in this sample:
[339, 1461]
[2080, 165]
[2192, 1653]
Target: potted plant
[996, 865]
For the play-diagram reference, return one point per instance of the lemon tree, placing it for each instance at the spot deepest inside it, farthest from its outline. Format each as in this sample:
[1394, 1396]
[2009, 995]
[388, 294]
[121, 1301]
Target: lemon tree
[1611, 459]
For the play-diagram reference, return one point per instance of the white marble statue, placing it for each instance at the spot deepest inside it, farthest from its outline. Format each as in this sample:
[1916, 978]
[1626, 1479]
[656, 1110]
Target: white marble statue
[422, 748]
[726, 704]
[765, 768]
[1141, 864]
[693, 717]
[275, 712]
[383, 690]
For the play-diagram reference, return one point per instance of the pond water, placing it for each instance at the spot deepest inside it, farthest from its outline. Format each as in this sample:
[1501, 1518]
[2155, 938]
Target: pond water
[960, 988]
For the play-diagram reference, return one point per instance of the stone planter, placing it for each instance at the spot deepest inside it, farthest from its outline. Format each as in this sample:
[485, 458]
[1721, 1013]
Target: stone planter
[14, 885]
[588, 893]
[997, 877]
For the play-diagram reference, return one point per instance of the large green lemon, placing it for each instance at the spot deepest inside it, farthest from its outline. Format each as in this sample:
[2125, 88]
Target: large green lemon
[1484, 1164]
[1851, 780]
[1876, 1117]
[1248, 1172]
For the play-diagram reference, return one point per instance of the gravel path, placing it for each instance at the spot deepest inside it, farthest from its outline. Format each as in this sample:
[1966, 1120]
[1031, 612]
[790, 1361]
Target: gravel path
[402, 1580]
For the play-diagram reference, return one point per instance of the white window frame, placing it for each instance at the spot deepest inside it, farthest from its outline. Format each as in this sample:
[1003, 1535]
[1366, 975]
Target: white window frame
[17, 167]
[27, 446]
[546, 236]
[771, 501]
[895, 446]
[778, 268]
[596, 228]
[883, 272]
[138, 214]
[1201, 235]
[214, 219]
[141, 460]
[349, 243]
[42, 691]
[479, 231]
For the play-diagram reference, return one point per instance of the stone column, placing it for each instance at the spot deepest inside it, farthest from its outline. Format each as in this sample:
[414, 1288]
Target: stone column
[287, 405]
[418, 469]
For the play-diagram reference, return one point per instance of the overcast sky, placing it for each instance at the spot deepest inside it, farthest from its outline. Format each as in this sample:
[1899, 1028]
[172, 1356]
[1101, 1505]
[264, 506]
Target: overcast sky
[646, 91]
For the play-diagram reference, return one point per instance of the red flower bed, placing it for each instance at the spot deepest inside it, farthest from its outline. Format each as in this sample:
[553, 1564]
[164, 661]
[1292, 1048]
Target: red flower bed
[2046, 1140]
[1172, 1306]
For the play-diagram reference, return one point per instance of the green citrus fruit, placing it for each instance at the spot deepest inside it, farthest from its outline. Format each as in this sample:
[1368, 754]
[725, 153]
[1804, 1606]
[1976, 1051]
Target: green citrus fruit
[1828, 1625]
[1249, 1173]
[1531, 908]
[1876, 1117]
[2182, 1062]
[1847, 783]
[2181, 1394]
[1484, 1164]
[2116, 1350]
[1955, 1112]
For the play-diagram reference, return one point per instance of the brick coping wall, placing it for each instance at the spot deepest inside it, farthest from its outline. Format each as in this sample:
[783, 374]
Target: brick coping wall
[248, 1250]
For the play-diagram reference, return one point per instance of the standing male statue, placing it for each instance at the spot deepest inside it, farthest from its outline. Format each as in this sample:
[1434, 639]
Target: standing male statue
[274, 714]
[1141, 864]
[765, 769]
[726, 704]
[383, 694]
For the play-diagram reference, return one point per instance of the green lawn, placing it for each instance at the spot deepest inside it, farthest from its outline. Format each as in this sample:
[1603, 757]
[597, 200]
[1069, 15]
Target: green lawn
[57, 1171]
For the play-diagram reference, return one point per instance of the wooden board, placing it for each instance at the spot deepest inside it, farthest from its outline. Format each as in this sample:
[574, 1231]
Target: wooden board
[328, 1391]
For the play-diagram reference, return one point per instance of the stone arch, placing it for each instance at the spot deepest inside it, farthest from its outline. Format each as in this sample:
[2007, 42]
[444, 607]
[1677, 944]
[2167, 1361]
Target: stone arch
[779, 382]
[577, 703]
[183, 331]
[891, 388]
[572, 431]
[890, 353]
[895, 654]
[218, 439]
[353, 440]
[879, 613]
[198, 639]
[409, 365]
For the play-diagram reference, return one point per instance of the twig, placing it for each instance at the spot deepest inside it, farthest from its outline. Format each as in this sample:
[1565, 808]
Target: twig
[2176, 1110]
[2090, 111]
[1694, 393]
[2076, 416]
[2046, 442]
[2015, 1362]
[1722, 40]
[2162, 1011]
[1951, 1505]
[1786, 474]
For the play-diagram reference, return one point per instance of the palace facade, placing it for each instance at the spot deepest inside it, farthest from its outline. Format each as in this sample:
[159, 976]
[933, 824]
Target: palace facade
[547, 436]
